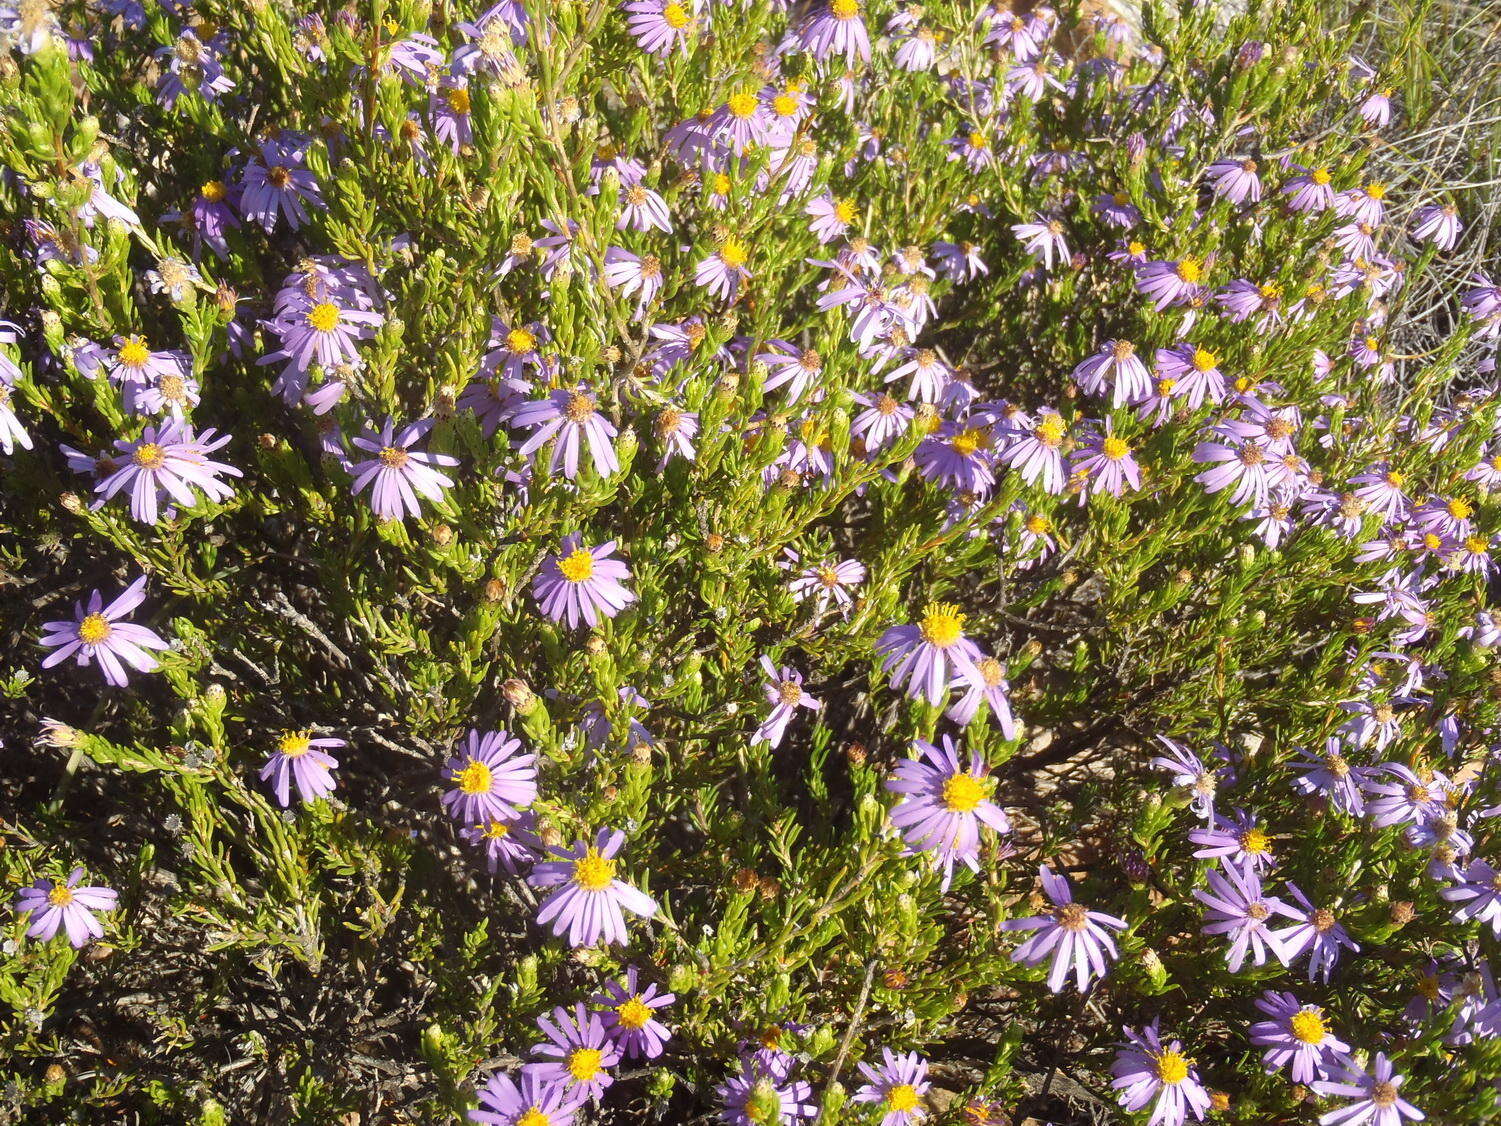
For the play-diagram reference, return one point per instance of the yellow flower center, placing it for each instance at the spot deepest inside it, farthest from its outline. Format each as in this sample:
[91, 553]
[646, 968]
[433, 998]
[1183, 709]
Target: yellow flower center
[323, 317]
[790, 692]
[721, 184]
[474, 778]
[845, 9]
[978, 140]
[1050, 430]
[675, 16]
[1172, 1067]
[901, 1097]
[966, 442]
[1376, 190]
[393, 457]
[520, 341]
[962, 793]
[578, 565]
[457, 99]
[741, 105]
[60, 896]
[1320, 176]
[149, 455]
[1460, 509]
[844, 210]
[579, 407]
[942, 624]
[133, 353]
[1205, 360]
[1190, 270]
[1383, 1093]
[1038, 524]
[784, 105]
[93, 629]
[496, 830]
[583, 1063]
[1114, 448]
[633, 1013]
[295, 743]
[534, 1117]
[1308, 1026]
[1254, 841]
[733, 253]
[213, 190]
[1136, 249]
[594, 872]
[1476, 545]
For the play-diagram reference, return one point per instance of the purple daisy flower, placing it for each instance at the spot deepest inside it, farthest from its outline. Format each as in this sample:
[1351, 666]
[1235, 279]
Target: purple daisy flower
[1238, 908]
[491, 782]
[1117, 368]
[1044, 240]
[531, 1101]
[1378, 1100]
[300, 758]
[943, 805]
[824, 583]
[922, 658]
[65, 906]
[97, 633]
[582, 583]
[577, 1055]
[629, 1016]
[896, 1088]
[134, 366]
[659, 26]
[784, 692]
[1146, 1071]
[1235, 180]
[277, 184]
[765, 1094]
[509, 844]
[589, 899]
[573, 418]
[1297, 1035]
[1037, 452]
[988, 687]
[398, 474]
[1103, 463]
[1478, 896]
[1309, 190]
[1237, 838]
[836, 30]
[1317, 933]
[1189, 773]
[722, 272]
[1074, 937]
[631, 274]
[958, 457]
[1171, 283]
[1439, 224]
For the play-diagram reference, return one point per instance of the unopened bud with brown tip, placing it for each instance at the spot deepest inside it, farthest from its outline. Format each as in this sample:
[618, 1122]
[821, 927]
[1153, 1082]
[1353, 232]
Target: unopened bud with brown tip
[856, 754]
[595, 646]
[1403, 912]
[518, 695]
[494, 590]
[71, 503]
[442, 535]
[714, 543]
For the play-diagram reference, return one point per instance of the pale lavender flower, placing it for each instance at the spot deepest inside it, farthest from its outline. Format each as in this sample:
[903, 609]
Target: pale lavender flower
[277, 184]
[1238, 839]
[835, 30]
[722, 272]
[1235, 180]
[765, 1094]
[1477, 896]
[1075, 938]
[582, 583]
[1171, 283]
[300, 758]
[1438, 224]
[1189, 773]
[1296, 1034]
[577, 1055]
[784, 692]
[398, 473]
[1043, 238]
[1238, 908]
[532, 1101]
[1103, 464]
[511, 845]
[1147, 1072]
[1318, 933]
[589, 903]
[896, 1088]
[987, 686]
[490, 780]
[1378, 1101]
[660, 26]
[1115, 368]
[943, 804]
[824, 583]
[169, 461]
[642, 209]
[641, 276]
[573, 418]
[65, 906]
[629, 1015]
[923, 658]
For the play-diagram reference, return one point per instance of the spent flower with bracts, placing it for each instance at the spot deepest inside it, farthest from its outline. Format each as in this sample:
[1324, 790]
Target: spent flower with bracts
[169, 461]
[491, 781]
[629, 1012]
[52, 906]
[783, 688]
[582, 584]
[896, 1089]
[925, 658]
[1075, 939]
[577, 1055]
[1376, 1097]
[590, 899]
[1149, 1073]
[765, 1093]
[1296, 1037]
[99, 633]
[301, 758]
[398, 473]
[528, 1100]
[943, 804]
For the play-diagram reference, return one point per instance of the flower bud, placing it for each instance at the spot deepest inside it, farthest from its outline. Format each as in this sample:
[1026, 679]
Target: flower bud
[518, 695]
